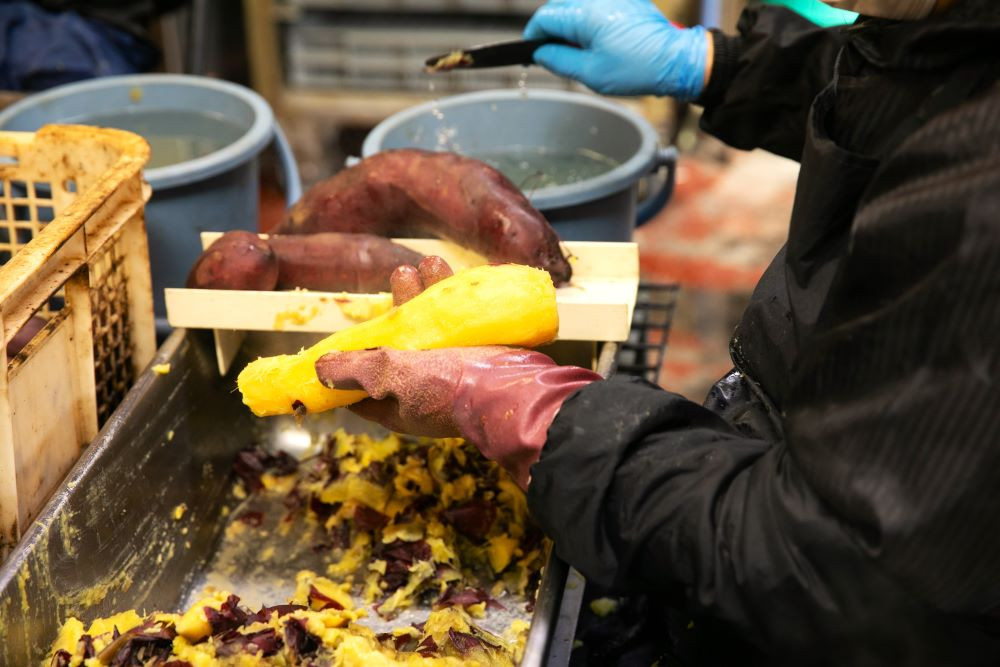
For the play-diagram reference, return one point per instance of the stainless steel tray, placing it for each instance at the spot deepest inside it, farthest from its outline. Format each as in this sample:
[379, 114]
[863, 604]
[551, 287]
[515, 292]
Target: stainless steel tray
[108, 540]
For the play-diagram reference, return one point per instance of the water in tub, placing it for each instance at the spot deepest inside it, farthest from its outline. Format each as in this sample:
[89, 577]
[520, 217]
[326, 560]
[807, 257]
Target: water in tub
[536, 167]
[530, 168]
[174, 136]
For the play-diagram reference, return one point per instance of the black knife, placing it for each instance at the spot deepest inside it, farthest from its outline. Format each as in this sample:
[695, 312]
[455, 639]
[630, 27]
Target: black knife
[500, 54]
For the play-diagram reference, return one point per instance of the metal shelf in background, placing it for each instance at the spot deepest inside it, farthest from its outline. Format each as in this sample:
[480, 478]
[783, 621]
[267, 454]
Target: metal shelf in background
[642, 355]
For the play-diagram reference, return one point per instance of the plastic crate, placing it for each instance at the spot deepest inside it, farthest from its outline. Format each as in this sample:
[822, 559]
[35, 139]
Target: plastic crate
[73, 253]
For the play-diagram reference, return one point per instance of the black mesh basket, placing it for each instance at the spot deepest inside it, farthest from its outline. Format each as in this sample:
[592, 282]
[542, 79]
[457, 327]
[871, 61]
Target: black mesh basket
[642, 354]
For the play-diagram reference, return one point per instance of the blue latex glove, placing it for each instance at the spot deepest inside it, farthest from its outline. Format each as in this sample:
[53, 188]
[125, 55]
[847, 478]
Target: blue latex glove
[628, 47]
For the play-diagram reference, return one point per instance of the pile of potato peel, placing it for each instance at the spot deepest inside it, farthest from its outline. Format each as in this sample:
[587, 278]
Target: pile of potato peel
[404, 523]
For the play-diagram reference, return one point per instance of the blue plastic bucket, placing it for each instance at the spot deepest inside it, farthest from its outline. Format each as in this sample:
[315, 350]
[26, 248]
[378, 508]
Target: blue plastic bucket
[601, 208]
[216, 191]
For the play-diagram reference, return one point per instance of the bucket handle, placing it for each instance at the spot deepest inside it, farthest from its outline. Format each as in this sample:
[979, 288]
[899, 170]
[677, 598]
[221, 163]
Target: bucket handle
[665, 158]
[293, 184]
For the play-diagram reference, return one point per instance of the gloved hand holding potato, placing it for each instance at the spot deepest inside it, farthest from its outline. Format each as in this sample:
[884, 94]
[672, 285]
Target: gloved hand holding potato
[499, 398]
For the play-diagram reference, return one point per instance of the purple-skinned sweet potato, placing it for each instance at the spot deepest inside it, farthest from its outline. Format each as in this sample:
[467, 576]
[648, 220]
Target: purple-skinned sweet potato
[24, 335]
[237, 260]
[415, 193]
[407, 281]
[332, 262]
[338, 262]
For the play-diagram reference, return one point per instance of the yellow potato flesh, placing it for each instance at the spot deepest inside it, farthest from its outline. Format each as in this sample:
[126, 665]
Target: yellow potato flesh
[506, 304]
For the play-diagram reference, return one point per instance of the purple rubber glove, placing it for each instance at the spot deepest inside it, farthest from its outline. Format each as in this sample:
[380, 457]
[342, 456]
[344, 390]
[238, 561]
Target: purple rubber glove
[501, 399]
[628, 47]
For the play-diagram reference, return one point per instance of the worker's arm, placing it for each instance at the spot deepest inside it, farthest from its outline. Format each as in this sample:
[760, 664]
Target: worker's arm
[645, 491]
[764, 79]
[887, 526]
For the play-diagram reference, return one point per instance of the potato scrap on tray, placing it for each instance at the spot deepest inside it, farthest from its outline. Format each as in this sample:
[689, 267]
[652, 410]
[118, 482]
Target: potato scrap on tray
[403, 524]
[407, 520]
[224, 633]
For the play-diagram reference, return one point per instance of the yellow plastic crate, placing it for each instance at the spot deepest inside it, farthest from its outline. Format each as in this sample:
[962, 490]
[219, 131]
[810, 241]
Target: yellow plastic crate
[73, 252]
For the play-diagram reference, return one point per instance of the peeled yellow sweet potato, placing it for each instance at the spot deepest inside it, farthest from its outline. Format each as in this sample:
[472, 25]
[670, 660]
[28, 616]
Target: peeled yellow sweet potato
[505, 304]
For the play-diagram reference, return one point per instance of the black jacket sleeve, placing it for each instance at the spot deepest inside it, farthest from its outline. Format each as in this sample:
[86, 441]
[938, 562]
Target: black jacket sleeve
[645, 491]
[764, 79]
[870, 525]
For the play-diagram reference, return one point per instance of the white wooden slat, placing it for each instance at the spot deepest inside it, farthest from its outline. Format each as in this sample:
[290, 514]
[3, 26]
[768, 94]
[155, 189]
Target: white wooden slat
[596, 305]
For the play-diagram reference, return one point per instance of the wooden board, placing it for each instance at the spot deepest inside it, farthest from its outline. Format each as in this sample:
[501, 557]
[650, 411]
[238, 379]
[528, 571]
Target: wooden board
[596, 306]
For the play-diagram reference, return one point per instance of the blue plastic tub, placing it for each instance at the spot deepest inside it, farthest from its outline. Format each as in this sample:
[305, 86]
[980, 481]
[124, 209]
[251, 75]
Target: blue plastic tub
[214, 191]
[600, 208]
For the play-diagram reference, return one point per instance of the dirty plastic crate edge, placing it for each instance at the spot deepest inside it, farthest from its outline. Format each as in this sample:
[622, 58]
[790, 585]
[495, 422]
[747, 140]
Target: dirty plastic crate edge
[73, 247]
